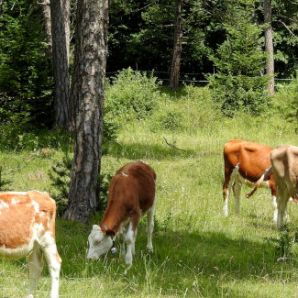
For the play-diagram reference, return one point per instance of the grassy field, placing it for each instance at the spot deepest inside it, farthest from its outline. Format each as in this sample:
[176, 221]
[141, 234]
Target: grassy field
[197, 252]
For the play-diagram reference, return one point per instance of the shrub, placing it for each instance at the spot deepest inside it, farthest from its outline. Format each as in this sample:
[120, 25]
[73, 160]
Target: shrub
[60, 179]
[170, 120]
[15, 137]
[131, 95]
[285, 102]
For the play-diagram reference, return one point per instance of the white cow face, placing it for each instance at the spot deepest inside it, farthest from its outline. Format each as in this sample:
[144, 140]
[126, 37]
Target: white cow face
[99, 243]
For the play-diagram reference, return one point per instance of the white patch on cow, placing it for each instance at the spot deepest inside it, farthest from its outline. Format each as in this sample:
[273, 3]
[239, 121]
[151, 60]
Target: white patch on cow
[40, 241]
[14, 201]
[150, 227]
[235, 175]
[35, 206]
[23, 250]
[3, 205]
[18, 252]
[124, 174]
[226, 204]
[48, 245]
[129, 239]
[274, 205]
[99, 243]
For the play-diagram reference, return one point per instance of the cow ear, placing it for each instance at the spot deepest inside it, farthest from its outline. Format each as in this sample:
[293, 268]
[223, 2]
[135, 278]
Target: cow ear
[95, 227]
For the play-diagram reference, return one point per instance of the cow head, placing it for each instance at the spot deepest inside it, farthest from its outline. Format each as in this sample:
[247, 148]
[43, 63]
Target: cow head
[99, 243]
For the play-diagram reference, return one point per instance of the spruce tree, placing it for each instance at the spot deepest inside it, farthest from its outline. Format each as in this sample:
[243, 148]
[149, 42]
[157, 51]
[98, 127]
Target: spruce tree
[238, 83]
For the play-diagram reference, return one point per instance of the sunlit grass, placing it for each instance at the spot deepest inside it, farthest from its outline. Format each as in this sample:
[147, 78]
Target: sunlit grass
[198, 253]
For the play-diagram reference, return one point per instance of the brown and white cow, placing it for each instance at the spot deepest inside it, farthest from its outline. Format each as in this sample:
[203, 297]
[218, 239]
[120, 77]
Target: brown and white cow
[284, 161]
[131, 194]
[27, 228]
[246, 162]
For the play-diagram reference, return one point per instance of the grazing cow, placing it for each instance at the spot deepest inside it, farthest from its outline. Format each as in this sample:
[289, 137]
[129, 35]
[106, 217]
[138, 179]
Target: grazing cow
[246, 162]
[284, 161]
[27, 228]
[131, 194]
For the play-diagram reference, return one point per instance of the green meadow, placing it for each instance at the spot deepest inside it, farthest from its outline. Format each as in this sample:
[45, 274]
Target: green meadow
[197, 252]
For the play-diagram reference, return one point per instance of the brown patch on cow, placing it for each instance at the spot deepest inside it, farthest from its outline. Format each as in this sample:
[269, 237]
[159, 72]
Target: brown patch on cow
[18, 215]
[47, 206]
[252, 159]
[16, 221]
[131, 193]
[8, 196]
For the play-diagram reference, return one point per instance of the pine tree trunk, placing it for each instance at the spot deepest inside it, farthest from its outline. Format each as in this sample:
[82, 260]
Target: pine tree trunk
[60, 52]
[269, 45]
[90, 63]
[46, 11]
[177, 48]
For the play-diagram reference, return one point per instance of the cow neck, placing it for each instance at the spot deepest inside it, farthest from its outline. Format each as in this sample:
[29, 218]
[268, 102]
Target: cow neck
[112, 220]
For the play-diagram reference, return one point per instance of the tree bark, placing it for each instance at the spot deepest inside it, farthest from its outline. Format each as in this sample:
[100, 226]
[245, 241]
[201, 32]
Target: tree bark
[177, 48]
[269, 45]
[89, 74]
[60, 53]
[46, 11]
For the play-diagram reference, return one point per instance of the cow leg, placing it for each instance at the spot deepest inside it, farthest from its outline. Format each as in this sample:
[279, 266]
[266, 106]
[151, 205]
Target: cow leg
[130, 243]
[275, 209]
[226, 189]
[35, 263]
[54, 264]
[237, 192]
[133, 249]
[150, 227]
[282, 206]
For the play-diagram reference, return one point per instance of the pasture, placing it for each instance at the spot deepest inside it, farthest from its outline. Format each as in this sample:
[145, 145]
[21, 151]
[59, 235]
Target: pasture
[197, 252]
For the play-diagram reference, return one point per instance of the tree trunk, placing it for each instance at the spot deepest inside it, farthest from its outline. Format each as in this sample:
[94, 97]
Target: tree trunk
[46, 11]
[269, 45]
[177, 48]
[60, 52]
[90, 63]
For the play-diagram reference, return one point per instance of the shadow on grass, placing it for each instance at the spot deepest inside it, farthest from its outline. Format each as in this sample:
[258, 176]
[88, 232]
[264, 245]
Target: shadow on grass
[157, 152]
[182, 260]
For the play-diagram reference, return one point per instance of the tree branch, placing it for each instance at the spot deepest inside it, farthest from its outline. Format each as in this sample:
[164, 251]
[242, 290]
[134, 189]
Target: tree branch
[293, 34]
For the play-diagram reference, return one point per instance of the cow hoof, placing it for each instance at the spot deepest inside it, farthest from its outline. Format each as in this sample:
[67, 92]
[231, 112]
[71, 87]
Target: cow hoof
[150, 250]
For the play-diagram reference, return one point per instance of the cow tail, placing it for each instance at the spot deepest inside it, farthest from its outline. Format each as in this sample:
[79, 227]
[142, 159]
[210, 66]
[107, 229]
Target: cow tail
[266, 176]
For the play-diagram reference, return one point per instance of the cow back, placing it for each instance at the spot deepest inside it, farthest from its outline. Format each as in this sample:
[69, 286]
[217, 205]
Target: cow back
[251, 158]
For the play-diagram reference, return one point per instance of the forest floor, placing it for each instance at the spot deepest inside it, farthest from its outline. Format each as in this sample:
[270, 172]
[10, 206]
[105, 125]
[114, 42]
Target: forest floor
[197, 252]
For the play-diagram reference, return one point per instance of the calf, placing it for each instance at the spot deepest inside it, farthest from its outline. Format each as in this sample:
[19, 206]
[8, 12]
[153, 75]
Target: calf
[131, 194]
[246, 162]
[284, 161]
[27, 228]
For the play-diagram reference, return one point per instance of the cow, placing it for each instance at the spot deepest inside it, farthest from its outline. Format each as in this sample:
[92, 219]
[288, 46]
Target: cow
[246, 162]
[27, 228]
[131, 194]
[284, 160]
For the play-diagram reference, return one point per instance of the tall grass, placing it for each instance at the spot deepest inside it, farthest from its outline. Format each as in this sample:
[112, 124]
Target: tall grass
[197, 252]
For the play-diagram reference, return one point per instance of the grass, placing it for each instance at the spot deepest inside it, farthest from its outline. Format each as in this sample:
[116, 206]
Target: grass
[198, 253]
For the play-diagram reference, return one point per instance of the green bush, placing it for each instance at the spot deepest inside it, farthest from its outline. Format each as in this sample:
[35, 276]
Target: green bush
[239, 93]
[170, 120]
[15, 138]
[60, 180]
[285, 101]
[132, 95]
[191, 110]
